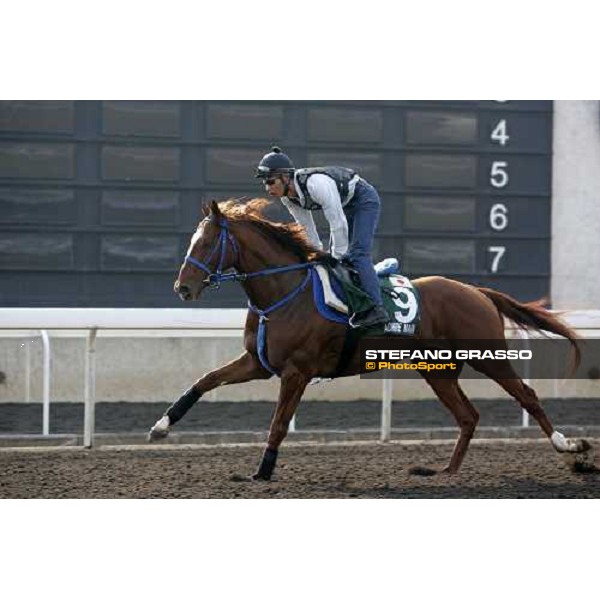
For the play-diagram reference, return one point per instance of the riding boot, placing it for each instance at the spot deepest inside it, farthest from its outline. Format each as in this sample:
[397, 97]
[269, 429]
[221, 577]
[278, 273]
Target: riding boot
[374, 316]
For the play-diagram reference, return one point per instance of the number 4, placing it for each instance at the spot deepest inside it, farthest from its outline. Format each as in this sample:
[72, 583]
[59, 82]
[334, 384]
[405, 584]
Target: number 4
[500, 134]
[499, 253]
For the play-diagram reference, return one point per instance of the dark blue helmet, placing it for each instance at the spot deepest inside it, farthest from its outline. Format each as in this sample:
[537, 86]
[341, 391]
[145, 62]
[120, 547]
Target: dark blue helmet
[274, 163]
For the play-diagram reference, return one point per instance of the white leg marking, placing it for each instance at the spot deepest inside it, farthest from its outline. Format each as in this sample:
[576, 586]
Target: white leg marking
[160, 429]
[563, 444]
[559, 441]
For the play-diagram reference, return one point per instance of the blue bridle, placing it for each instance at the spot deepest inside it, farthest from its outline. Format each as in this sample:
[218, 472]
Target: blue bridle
[215, 278]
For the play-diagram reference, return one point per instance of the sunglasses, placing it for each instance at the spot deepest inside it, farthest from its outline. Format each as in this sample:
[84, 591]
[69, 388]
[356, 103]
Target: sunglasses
[271, 181]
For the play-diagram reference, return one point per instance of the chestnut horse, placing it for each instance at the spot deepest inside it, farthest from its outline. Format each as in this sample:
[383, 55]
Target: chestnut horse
[285, 334]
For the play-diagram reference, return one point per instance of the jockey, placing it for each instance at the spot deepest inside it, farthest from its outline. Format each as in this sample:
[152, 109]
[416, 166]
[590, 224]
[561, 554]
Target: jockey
[351, 206]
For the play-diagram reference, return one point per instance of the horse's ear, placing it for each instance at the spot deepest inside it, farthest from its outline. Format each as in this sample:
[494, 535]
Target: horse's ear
[214, 209]
[205, 210]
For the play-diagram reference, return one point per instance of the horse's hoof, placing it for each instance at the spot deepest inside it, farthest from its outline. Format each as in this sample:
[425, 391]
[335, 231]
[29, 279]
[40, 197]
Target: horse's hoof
[583, 445]
[241, 478]
[584, 467]
[160, 430]
[422, 471]
[448, 471]
[260, 477]
[582, 460]
[154, 436]
[566, 445]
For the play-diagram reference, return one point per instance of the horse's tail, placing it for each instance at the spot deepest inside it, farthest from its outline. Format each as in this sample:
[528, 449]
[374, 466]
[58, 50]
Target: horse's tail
[532, 315]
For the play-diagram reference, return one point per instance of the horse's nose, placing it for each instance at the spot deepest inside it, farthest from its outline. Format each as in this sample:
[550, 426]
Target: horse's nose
[185, 293]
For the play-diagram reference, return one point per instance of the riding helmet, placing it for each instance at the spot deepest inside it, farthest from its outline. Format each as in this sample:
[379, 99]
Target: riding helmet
[274, 163]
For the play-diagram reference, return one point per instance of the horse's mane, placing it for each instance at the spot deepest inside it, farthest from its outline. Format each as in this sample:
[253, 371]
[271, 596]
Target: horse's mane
[290, 236]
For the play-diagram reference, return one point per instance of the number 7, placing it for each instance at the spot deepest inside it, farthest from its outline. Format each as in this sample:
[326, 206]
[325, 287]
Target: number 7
[499, 253]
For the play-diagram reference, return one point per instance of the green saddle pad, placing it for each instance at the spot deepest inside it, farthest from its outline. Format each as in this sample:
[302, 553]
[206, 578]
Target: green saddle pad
[400, 300]
[356, 298]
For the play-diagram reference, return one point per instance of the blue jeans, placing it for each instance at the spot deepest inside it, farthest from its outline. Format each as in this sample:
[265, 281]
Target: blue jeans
[362, 214]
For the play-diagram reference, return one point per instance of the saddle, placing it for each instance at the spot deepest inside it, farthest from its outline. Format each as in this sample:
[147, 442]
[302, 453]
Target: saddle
[343, 293]
[347, 274]
[348, 280]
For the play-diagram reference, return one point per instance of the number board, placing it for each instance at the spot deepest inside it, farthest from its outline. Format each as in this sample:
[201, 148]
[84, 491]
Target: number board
[98, 199]
[476, 194]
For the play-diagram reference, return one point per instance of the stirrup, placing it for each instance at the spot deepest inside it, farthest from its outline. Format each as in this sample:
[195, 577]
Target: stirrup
[374, 316]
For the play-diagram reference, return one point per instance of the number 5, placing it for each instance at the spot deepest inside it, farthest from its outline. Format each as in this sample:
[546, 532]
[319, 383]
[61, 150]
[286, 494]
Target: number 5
[498, 174]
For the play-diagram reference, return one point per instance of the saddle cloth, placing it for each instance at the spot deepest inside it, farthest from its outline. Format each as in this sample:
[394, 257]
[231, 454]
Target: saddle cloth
[400, 298]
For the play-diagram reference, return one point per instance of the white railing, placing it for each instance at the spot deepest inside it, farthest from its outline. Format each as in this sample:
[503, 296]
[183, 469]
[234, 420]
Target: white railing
[207, 322]
[91, 322]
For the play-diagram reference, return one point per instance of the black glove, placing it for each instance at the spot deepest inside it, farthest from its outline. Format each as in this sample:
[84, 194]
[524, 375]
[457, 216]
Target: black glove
[346, 262]
[329, 261]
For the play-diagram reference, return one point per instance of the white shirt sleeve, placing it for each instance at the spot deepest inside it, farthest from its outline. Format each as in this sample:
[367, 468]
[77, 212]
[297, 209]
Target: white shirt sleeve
[324, 191]
[304, 217]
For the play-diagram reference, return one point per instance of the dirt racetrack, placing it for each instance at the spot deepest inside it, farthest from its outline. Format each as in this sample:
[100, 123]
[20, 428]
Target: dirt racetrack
[492, 469]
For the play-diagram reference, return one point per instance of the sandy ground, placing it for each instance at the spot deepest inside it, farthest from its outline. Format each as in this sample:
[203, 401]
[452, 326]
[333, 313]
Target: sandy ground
[516, 469]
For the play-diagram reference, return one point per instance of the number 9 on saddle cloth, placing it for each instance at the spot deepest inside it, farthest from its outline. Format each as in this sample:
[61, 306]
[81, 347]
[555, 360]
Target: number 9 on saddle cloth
[401, 301]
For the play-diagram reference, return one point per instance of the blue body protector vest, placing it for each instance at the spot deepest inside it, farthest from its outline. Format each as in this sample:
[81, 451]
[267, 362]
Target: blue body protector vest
[341, 175]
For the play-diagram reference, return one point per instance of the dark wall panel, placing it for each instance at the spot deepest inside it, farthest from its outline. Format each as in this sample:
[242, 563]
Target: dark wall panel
[98, 199]
[28, 160]
[141, 118]
[41, 206]
[435, 171]
[127, 163]
[54, 116]
[140, 208]
[36, 251]
[344, 125]
[432, 127]
[240, 121]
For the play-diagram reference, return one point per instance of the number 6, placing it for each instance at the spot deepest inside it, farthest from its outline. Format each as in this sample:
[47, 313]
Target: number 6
[498, 217]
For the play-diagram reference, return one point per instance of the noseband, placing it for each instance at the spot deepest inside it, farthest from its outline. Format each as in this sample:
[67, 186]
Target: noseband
[214, 278]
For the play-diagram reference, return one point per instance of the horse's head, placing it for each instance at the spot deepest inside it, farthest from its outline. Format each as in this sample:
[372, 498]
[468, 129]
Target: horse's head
[212, 250]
